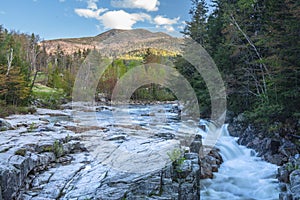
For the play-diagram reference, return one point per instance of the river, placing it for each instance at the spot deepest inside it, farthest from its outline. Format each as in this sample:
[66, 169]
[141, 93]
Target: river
[242, 176]
[122, 147]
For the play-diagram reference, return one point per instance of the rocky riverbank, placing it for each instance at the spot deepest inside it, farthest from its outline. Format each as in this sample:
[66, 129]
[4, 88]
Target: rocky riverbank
[210, 164]
[48, 155]
[274, 149]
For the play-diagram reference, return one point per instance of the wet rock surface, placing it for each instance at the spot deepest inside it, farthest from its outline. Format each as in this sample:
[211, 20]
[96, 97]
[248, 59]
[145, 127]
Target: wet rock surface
[43, 158]
[289, 175]
[210, 164]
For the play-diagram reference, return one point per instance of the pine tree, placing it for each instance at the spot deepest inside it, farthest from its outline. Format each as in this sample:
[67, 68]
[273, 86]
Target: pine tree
[196, 28]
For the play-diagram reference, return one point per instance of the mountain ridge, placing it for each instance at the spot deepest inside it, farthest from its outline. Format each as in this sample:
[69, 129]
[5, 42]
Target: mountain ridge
[116, 42]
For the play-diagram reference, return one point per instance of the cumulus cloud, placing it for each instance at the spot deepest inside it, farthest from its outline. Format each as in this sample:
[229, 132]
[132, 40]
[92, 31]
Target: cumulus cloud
[149, 5]
[121, 19]
[118, 19]
[166, 23]
[160, 20]
[88, 13]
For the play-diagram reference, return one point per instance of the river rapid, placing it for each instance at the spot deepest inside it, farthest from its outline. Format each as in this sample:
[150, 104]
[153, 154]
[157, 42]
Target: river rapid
[242, 175]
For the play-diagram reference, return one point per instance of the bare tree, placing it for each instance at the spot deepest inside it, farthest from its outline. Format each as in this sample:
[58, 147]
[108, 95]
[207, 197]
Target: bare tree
[263, 67]
[33, 52]
[10, 57]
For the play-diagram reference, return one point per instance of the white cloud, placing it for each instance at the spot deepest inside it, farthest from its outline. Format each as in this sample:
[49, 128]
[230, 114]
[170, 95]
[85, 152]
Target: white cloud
[182, 25]
[160, 20]
[121, 19]
[62, 1]
[88, 13]
[166, 23]
[113, 19]
[169, 28]
[149, 5]
[92, 4]
[141, 16]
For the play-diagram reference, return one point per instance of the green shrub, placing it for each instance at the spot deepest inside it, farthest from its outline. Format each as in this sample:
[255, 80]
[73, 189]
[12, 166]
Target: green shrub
[6, 110]
[177, 158]
[31, 127]
[291, 167]
[58, 148]
[21, 152]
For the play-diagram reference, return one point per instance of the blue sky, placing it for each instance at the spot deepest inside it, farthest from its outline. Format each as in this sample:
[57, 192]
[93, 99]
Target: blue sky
[52, 19]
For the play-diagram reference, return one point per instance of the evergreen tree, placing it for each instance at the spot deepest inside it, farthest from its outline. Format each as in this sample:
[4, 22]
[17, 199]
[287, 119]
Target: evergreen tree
[196, 30]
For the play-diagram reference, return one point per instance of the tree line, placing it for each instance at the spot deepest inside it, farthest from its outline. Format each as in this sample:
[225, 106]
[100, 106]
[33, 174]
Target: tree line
[24, 59]
[25, 64]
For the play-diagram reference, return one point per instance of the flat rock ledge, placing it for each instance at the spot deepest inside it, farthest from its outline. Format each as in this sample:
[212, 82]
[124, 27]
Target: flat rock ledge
[41, 160]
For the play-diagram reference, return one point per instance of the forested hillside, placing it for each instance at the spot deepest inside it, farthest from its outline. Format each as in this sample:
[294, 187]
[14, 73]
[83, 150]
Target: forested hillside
[256, 46]
[43, 72]
[25, 66]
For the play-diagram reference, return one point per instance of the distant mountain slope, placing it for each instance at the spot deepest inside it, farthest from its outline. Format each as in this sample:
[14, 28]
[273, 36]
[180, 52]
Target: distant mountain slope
[116, 42]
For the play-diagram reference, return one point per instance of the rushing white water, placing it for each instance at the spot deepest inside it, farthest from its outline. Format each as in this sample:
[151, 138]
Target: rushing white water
[242, 175]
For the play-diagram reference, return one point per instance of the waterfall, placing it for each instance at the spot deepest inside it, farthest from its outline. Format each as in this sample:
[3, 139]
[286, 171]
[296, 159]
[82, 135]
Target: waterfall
[242, 175]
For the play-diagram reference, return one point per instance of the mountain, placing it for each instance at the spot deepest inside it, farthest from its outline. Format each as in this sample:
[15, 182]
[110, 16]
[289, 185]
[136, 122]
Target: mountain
[116, 42]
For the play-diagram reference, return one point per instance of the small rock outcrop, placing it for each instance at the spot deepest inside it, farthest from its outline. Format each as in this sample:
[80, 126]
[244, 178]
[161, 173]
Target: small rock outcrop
[4, 125]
